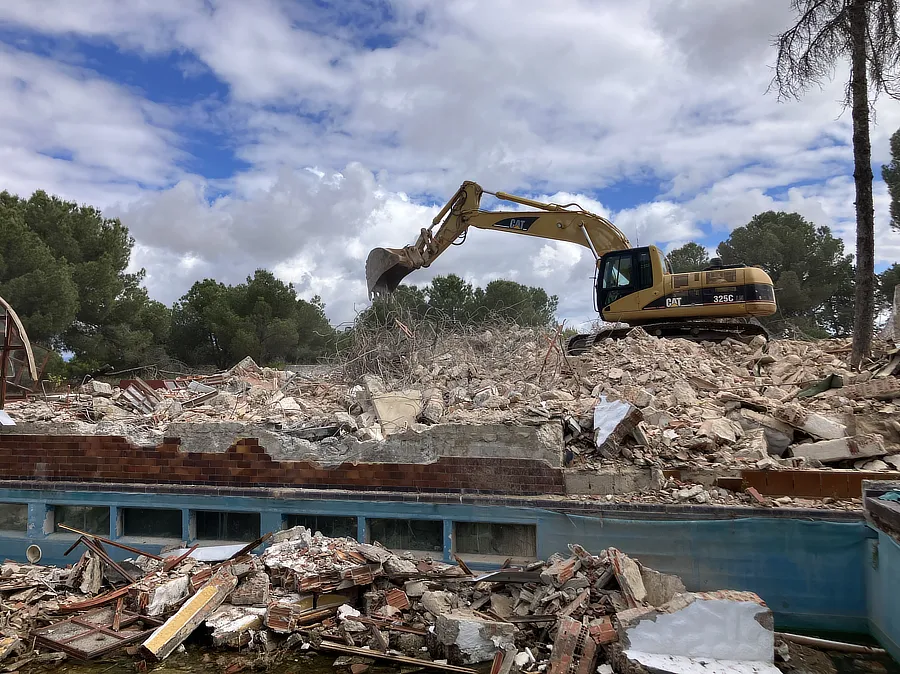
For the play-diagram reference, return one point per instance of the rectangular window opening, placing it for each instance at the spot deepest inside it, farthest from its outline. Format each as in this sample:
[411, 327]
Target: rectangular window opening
[13, 516]
[91, 519]
[330, 525]
[151, 523]
[227, 526]
[417, 535]
[495, 539]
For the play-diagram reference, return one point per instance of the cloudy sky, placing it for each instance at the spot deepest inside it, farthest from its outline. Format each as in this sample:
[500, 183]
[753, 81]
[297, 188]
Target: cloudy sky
[296, 135]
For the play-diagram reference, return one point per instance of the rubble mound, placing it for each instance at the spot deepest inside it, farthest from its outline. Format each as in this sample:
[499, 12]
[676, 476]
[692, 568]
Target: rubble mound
[640, 400]
[334, 595]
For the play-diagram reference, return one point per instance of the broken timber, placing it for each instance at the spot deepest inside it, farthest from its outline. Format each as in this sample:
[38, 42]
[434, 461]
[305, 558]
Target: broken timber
[108, 542]
[402, 659]
[194, 611]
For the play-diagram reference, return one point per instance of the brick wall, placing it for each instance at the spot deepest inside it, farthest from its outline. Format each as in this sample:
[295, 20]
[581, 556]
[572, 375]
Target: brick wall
[800, 483]
[246, 464]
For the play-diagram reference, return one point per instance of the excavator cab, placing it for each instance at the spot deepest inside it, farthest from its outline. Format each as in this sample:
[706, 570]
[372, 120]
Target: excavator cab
[624, 272]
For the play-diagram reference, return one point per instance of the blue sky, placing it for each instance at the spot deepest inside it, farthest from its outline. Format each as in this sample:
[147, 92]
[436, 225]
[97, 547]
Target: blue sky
[235, 134]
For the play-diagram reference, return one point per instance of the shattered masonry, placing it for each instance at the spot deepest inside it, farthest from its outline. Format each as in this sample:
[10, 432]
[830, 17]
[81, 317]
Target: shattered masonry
[639, 404]
[311, 592]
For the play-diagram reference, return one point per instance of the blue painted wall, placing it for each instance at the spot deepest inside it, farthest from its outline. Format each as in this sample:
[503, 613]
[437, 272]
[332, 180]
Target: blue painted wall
[813, 574]
[883, 582]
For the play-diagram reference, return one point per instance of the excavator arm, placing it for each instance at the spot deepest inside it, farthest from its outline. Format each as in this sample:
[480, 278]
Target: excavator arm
[387, 267]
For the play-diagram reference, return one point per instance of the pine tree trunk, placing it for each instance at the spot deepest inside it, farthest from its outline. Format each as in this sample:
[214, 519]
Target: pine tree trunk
[864, 308]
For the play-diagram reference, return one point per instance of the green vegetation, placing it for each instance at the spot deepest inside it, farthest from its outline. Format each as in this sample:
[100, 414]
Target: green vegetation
[690, 257]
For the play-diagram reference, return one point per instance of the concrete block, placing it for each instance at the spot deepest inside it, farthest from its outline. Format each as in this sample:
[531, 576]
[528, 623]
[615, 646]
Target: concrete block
[812, 424]
[841, 449]
[397, 411]
[470, 639]
[608, 481]
[660, 587]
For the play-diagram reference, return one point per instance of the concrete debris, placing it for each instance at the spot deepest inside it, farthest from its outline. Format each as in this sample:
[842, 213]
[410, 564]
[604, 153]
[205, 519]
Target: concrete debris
[639, 401]
[572, 614]
[169, 636]
[470, 638]
[717, 632]
[233, 625]
[831, 451]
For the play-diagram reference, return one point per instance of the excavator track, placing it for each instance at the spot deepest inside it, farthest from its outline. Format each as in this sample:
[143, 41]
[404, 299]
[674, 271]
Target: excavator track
[695, 331]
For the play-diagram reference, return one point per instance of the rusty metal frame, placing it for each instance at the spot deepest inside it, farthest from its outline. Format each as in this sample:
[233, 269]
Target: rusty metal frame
[14, 339]
[126, 619]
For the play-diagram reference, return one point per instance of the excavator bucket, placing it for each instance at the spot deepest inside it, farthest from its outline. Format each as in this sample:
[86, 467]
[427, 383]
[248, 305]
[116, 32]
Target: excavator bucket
[385, 268]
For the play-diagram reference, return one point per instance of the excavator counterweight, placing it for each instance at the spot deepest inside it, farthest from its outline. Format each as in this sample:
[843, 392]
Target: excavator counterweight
[635, 286]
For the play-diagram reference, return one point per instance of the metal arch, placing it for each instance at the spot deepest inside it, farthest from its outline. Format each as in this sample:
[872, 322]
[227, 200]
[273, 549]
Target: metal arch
[14, 339]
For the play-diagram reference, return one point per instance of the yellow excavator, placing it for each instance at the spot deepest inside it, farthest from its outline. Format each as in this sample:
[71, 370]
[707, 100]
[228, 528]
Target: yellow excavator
[634, 286]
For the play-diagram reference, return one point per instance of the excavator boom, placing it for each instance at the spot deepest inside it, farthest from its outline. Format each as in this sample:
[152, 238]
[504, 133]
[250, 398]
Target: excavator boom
[387, 267]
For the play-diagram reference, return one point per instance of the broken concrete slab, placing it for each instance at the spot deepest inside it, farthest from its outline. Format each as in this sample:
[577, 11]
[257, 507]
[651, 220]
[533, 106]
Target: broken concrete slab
[470, 638]
[661, 587]
[841, 449]
[721, 631]
[628, 575]
[720, 429]
[778, 434]
[439, 602]
[232, 625]
[814, 425]
[168, 595]
[397, 411]
[684, 393]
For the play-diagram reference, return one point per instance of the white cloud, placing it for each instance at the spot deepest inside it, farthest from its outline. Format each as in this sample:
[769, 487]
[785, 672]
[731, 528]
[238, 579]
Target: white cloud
[561, 100]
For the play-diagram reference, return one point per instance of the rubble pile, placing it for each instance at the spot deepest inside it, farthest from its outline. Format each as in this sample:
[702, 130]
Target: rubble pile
[307, 592]
[641, 400]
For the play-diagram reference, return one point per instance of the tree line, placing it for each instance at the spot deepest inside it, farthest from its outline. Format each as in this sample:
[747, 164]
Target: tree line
[64, 270]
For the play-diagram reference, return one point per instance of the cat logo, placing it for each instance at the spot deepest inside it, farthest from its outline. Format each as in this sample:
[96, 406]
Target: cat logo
[673, 302]
[518, 224]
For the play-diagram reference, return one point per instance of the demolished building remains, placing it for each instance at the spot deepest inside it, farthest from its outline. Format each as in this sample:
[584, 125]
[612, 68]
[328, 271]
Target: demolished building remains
[305, 591]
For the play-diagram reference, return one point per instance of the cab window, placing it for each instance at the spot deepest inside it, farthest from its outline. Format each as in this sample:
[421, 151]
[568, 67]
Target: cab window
[618, 272]
[645, 271]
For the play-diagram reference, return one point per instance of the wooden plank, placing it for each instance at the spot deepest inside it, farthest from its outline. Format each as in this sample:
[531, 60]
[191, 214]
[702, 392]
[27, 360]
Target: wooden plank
[98, 550]
[166, 638]
[117, 616]
[100, 600]
[247, 549]
[172, 562]
[402, 659]
[109, 542]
